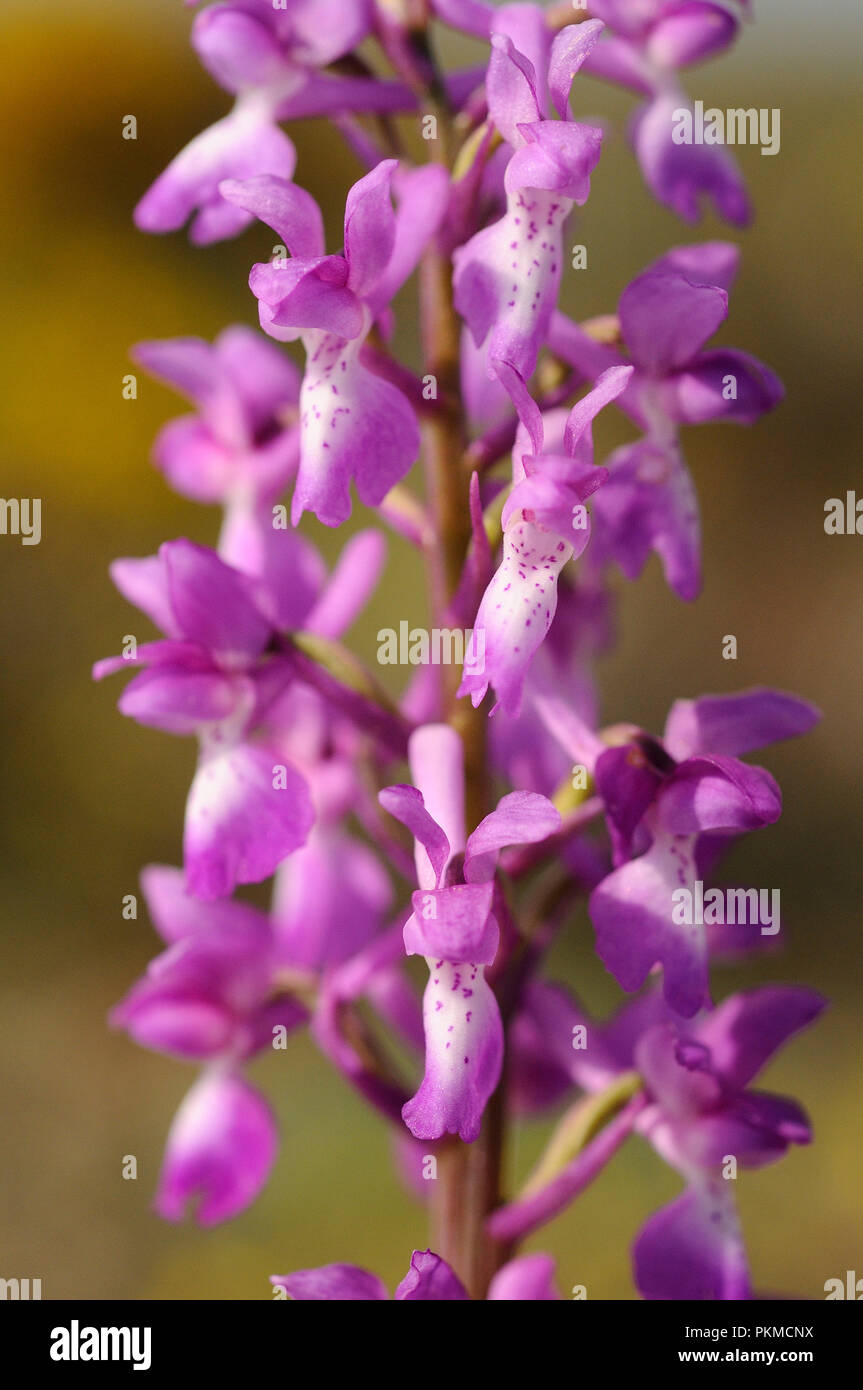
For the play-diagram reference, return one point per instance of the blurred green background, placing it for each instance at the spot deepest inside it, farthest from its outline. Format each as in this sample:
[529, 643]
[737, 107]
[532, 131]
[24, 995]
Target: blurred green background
[89, 797]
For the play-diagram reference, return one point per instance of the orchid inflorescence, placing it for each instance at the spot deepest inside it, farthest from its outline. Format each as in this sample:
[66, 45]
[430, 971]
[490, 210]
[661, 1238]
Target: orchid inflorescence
[519, 804]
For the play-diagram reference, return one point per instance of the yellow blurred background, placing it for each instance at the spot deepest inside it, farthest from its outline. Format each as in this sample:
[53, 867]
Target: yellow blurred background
[89, 797]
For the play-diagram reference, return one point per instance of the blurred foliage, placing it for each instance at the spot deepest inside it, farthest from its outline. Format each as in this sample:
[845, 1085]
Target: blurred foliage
[89, 797]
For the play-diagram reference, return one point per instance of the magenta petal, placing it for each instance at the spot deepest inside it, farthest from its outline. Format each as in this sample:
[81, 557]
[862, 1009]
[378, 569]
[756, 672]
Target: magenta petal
[181, 1006]
[213, 604]
[299, 294]
[745, 1030]
[188, 364]
[245, 813]
[755, 1127]
[530, 418]
[577, 740]
[627, 782]
[194, 462]
[423, 195]
[244, 144]
[649, 503]
[177, 656]
[717, 793]
[570, 49]
[175, 913]
[570, 342]
[632, 909]
[777, 1115]
[370, 227]
[190, 1029]
[407, 805]
[631, 18]
[682, 176]
[323, 30]
[329, 901]
[520, 818]
[703, 263]
[236, 49]
[286, 207]
[608, 387]
[263, 377]
[453, 923]
[692, 32]
[289, 571]
[336, 1283]
[665, 319]
[677, 1075]
[528, 1278]
[327, 94]
[512, 89]
[736, 724]
[693, 1249]
[144, 582]
[179, 702]
[220, 1150]
[468, 16]
[556, 157]
[430, 1278]
[538, 1079]
[552, 504]
[464, 1053]
[617, 60]
[722, 385]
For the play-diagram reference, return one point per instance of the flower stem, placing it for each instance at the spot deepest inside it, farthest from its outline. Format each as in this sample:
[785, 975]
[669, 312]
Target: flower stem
[468, 1180]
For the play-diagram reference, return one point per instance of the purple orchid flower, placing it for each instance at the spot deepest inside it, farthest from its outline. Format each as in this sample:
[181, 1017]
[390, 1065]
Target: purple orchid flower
[211, 998]
[212, 994]
[696, 1110]
[241, 448]
[646, 44]
[245, 811]
[662, 798]
[666, 316]
[507, 277]
[454, 926]
[230, 979]
[545, 524]
[268, 59]
[530, 1278]
[216, 676]
[354, 424]
[220, 1150]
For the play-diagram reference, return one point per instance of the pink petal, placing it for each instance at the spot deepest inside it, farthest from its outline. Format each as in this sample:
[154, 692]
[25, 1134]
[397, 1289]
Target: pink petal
[239, 826]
